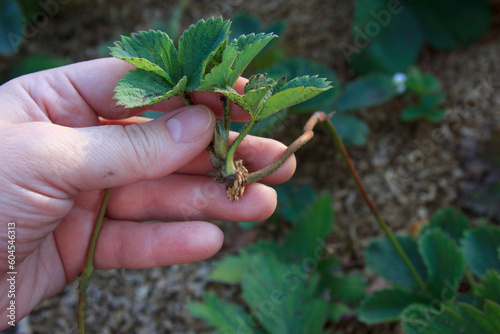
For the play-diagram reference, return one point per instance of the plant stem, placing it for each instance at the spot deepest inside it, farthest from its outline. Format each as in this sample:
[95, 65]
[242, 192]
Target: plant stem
[89, 266]
[227, 118]
[340, 146]
[298, 143]
[187, 99]
[230, 169]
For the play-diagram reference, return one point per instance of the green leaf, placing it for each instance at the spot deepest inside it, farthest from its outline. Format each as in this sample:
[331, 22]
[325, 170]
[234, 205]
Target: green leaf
[306, 237]
[277, 295]
[422, 83]
[251, 102]
[451, 221]
[217, 78]
[247, 46]
[387, 305]
[293, 201]
[492, 309]
[294, 92]
[225, 317]
[11, 27]
[367, 91]
[431, 101]
[198, 44]
[480, 248]
[445, 263]
[488, 288]
[477, 321]
[382, 259]
[423, 319]
[338, 310]
[383, 40]
[258, 81]
[435, 115]
[140, 87]
[150, 50]
[230, 269]
[450, 25]
[348, 288]
[297, 67]
[351, 130]
[413, 113]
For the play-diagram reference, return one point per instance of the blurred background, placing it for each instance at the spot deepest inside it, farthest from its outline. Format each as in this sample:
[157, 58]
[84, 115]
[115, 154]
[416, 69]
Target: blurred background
[417, 103]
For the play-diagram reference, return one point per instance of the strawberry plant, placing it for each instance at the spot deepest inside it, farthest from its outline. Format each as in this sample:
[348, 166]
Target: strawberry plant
[205, 60]
[278, 278]
[461, 268]
[390, 35]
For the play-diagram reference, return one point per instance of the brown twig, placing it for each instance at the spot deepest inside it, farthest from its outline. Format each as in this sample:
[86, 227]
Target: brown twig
[298, 143]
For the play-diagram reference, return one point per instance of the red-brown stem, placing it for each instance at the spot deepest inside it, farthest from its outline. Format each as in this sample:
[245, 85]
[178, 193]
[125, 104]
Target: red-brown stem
[298, 143]
[354, 174]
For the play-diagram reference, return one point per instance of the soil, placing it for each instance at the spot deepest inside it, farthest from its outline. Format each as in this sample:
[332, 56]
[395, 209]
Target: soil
[407, 172]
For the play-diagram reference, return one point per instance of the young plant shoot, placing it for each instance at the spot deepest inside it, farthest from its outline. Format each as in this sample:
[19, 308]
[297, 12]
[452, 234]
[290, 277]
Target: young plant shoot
[205, 60]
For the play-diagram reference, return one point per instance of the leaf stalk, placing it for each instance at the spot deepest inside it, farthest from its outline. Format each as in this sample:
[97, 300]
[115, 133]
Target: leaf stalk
[230, 168]
[352, 170]
[89, 266]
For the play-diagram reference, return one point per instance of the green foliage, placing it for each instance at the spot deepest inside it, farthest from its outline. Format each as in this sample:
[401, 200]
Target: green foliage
[277, 296]
[297, 67]
[347, 288]
[489, 288]
[352, 130]
[265, 97]
[383, 40]
[293, 201]
[367, 91]
[421, 319]
[445, 264]
[382, 259]
[427, 89]
[442, 254]
[209, 62]
[227, 317]
[244, 24]
[387, 305]
[199, 45]
[11, 27]
[205, 60]
[481, 249]
[279, 278]
[451, 221]
[389, 35]
[451, 25]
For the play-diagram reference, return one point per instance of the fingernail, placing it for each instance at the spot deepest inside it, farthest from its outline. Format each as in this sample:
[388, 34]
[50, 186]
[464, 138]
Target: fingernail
[190, 124]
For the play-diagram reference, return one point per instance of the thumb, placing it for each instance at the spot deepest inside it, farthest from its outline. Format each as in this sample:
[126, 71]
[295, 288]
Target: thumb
[93, 158]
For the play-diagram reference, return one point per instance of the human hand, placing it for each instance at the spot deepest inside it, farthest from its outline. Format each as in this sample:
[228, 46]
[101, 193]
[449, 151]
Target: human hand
[63, 141]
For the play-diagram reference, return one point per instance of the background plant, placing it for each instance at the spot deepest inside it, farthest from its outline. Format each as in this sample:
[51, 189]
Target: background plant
[391, 35]
[373, 88]
[461, 267]
[279, 277]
